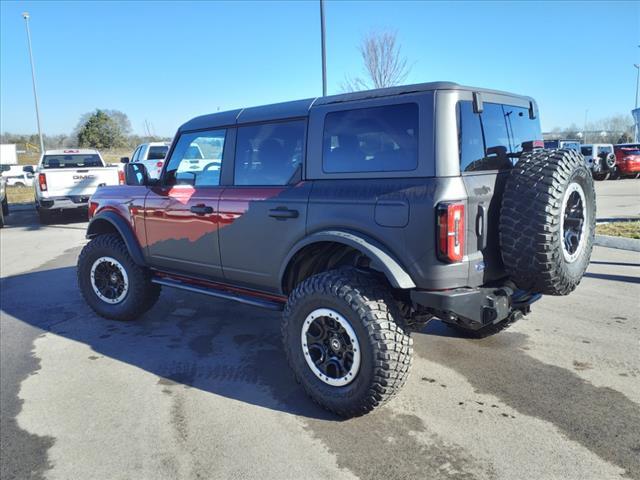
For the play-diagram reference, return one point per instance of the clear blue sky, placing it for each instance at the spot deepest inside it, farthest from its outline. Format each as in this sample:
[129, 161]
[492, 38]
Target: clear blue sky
[167, 61]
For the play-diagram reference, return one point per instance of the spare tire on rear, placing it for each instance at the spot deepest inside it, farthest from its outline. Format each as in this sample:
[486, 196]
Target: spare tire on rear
[547, 221]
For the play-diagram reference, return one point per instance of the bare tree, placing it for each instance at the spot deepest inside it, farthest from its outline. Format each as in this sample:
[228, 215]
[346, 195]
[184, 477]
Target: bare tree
[384, 64]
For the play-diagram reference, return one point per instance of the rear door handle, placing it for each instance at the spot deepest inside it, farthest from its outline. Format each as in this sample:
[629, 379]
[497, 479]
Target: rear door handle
[282, 213]
[201, 209]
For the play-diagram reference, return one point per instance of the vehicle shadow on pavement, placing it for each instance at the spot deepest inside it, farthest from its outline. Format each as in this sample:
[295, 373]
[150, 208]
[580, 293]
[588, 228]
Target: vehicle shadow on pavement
[186, 340]
[28, 218]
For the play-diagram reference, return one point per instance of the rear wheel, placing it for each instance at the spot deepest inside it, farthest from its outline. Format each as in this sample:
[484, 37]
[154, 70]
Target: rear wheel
[112, 284]
[346, 342]
[547, 221]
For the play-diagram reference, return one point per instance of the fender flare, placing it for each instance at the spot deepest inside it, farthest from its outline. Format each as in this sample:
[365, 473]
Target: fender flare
[381, 259]
[124, 229]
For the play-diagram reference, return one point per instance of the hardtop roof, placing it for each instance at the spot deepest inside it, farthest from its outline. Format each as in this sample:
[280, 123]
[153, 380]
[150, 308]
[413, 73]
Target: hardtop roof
[300, 108]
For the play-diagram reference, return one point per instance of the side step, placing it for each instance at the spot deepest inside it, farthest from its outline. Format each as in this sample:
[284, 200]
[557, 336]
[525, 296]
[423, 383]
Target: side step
[220, 293]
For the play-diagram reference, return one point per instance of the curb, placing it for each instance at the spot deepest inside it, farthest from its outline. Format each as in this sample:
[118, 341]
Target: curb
[621, 243]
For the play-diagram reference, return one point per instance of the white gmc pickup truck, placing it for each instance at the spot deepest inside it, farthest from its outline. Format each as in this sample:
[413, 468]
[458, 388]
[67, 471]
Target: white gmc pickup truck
[67, 178]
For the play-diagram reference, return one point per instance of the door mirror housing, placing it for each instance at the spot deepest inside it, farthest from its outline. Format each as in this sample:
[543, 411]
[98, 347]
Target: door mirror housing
[136, 174]
[124, 159]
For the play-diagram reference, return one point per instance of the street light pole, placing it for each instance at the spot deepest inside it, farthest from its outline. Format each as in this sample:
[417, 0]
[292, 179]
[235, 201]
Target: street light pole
[637, 65]
[324, 54]
[25, 15]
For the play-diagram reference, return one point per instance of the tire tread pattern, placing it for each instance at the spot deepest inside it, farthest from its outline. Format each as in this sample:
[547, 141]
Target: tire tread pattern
[140, 286]
[372, 302]
[530, 220]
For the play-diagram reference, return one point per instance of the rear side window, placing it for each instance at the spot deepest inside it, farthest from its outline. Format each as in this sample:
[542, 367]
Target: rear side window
[502, 130]
[377, 139]
[71, 161]
[269, 154]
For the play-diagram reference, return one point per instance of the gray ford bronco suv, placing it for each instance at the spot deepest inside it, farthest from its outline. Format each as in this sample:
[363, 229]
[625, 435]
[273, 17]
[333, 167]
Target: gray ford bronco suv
[361, 216]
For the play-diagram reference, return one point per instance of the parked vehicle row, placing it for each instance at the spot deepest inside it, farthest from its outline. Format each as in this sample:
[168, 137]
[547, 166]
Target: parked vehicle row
[18, 175]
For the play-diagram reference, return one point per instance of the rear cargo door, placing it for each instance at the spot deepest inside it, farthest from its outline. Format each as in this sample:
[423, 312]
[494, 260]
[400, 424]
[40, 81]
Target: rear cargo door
[489, 144]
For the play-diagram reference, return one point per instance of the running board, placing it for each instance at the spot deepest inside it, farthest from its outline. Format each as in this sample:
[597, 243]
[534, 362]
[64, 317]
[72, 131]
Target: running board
[213, 292]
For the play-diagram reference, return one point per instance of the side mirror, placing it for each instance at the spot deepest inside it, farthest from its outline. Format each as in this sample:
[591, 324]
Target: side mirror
[28, 169]
[124, 159]
[136, 174]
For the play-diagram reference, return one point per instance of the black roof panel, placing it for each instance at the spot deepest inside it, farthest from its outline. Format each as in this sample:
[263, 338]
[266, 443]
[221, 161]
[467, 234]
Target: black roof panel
[300, 108]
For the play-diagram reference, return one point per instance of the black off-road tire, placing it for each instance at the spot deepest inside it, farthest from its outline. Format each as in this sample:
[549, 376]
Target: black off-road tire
[141, 294]
[386, 347]
[530, 221]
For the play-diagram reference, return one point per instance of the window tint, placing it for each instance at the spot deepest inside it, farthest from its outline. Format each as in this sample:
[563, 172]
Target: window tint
[521, 128]
[586, 150]
[157, 152]
[377, 139]
[197, 159]
[470, 138]
[493, 139]
[71, 161]
[496, 138]
[269, 154]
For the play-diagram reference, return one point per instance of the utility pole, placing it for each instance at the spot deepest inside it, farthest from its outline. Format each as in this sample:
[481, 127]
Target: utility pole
[637, 65]
[323, 47]
[25, 15]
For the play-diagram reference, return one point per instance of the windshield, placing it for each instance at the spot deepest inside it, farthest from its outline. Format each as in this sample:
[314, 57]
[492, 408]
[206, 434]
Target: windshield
[71, 161]
[158, 152]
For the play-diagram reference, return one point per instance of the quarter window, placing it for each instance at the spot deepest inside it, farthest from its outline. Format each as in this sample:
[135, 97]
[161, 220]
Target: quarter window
[197, 159]
[376, 139]
[269, 154]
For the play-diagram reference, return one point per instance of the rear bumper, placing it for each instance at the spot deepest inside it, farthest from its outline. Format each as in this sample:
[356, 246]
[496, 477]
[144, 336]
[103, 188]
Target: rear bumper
[64, 203]
[474, 307]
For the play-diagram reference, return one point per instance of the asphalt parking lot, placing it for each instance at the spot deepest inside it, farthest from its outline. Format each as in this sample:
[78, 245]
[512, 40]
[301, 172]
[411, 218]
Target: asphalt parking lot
[199, 388]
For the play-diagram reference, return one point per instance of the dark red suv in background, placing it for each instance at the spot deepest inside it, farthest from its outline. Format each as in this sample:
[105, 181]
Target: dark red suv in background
[628, 159]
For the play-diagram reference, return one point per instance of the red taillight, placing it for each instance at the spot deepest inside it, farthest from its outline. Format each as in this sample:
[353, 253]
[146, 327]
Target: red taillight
[451, 231]
[42, 181]
[92, 208]
[121, 177]
[159, 164]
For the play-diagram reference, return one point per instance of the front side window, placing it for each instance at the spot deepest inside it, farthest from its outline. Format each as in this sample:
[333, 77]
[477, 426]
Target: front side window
[197, 159]
[71, 161]
[376, 139]
[270, 153]
[586, 150]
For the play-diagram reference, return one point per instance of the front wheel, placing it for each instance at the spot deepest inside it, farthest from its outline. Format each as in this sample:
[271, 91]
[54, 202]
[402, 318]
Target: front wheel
[110, 281]
[346, 342]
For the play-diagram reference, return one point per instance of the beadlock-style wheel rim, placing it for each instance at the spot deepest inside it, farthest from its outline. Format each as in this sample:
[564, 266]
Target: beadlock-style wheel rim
[109, 280]
[330, 347]
[573, 222]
